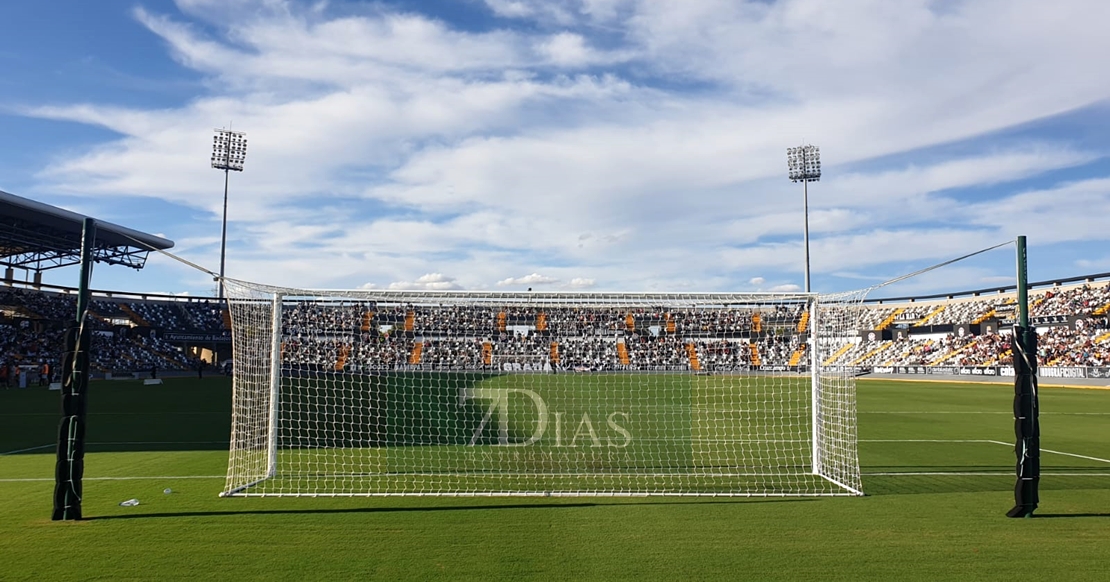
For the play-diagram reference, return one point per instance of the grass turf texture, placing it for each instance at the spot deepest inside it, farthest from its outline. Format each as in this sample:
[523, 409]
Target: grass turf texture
[938, 479]
[416, 433]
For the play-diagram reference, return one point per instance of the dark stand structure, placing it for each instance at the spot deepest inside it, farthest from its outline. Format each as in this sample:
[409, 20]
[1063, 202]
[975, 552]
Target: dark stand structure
[1027, 426]
[35, 237]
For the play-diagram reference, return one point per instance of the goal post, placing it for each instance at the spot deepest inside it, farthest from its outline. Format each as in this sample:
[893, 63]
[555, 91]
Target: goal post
[815, 393]
[364, 392]
[275, 385]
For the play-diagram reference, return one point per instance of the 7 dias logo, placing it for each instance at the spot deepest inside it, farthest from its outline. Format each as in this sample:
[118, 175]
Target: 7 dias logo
[586, 432]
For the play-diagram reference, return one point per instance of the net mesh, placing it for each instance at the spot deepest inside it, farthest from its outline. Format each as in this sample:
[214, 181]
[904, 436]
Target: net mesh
[454, 393]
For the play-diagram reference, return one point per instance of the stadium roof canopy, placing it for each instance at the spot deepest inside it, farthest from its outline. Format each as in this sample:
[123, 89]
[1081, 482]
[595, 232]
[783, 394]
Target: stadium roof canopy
[37, 236]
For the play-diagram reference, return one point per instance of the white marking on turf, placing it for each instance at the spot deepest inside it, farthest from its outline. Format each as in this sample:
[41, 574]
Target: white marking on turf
[1007, 413]
[1059, 452]
[1075, 455]
[974, 474]
[993, 442]
[119, 443]
[51, 479]
[29, 449]
[926, 441]
[161, 443]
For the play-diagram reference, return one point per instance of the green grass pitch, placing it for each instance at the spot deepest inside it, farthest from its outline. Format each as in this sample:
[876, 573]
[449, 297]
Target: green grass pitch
[937, 461]
[602, 433]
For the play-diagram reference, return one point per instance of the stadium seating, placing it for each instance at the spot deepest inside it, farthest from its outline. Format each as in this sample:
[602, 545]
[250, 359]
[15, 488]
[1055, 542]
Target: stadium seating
[1071, 320]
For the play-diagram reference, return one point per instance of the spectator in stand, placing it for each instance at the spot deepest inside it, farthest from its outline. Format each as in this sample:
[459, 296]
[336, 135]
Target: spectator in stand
[368, 336]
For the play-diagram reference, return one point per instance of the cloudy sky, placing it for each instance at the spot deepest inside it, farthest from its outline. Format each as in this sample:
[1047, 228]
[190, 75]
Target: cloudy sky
[618, 145]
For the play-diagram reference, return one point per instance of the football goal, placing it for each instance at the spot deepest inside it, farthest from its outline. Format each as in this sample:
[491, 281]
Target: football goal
[347, 393]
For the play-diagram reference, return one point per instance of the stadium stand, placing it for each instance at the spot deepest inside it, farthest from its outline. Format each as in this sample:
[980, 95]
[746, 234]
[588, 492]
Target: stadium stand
[134, 334]
[125, 331]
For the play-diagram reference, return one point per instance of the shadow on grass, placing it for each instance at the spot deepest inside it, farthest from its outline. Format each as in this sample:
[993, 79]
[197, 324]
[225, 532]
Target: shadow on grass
[349, 510]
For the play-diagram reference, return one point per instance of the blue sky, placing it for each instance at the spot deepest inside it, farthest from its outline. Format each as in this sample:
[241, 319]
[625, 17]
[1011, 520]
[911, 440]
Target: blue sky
[618, 145]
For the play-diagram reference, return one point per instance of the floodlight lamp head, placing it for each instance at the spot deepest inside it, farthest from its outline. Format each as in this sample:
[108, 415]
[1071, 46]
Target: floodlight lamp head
[804, 163]
[229, 150]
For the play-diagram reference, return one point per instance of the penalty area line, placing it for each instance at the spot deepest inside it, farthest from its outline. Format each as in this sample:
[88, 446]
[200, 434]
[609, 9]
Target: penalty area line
[926, 441]
[990, 441]
[972, 474]
[118, 444]
[51, 480]
[133, 443]
[998, 412]
[1043, 450]
[28, 449]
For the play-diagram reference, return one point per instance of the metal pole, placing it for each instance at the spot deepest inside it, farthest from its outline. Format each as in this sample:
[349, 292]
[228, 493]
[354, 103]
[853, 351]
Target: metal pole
[805, 204]
[275, 389]
[817, 464]
[70, 464]
[223, 239]
[1027, 426]
[804, 164]
[1022, 283]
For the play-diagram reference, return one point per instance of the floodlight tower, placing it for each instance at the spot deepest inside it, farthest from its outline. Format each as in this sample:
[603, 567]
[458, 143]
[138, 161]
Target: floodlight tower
[804, 163]
[229, 151]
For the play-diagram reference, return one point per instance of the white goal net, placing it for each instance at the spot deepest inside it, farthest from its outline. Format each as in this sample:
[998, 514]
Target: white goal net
[456, 393]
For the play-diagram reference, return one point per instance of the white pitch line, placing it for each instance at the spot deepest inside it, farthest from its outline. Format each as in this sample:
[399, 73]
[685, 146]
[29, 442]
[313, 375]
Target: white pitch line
[1006, 413]
[28, 449]
[1059, 453]
[121, 443]
[994, 442]
[932, 412]
[1075, 455]
[976, 474]
[51, 480]
[160, 443]
[926, 441]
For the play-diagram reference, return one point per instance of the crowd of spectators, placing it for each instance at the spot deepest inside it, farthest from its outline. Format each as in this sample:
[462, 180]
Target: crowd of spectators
[23, 349]
[1079, 347]
[1081, 337]
[36, 305]
[32, 332]
[365, 335]
[118, 352]
[1087, 343]
[1081, 300]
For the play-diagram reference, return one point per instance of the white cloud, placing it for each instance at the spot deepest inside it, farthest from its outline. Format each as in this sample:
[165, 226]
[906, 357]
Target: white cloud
[543, 10]
[533, 279]
[1096, 264]
[428, 282]
[566, 49]
[389, 146]
[1051, 215]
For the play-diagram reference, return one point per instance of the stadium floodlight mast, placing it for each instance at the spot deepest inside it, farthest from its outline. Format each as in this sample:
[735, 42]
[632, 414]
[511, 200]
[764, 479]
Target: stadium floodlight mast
[229, 151]
[804, 163]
